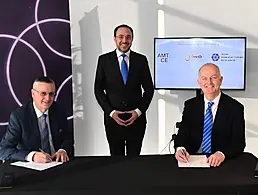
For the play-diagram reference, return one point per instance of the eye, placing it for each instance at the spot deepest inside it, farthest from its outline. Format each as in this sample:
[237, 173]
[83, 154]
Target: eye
[43, 93]
[52, 94]
[128, 37]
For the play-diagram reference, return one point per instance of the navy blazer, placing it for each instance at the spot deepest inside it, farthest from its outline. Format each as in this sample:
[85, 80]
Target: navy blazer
[228, 132]
[23, 135]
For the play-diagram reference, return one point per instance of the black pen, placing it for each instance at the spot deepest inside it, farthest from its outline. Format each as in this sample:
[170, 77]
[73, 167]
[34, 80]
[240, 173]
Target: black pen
[44, 153]
[183, 151]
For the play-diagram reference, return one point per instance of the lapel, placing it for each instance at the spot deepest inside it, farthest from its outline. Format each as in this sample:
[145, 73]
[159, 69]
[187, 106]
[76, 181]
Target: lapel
[221, 110]
[200, 109]
[52, 122]
[132, 62]
[34, 126]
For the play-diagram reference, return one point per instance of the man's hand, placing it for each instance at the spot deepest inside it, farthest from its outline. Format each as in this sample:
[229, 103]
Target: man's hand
[118, 120]
[60, 155]
[215, 159]
[132, 119]
[41, 157]
[182, 156]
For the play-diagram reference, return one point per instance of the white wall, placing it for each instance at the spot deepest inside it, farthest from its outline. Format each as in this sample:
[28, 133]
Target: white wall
[93, 22]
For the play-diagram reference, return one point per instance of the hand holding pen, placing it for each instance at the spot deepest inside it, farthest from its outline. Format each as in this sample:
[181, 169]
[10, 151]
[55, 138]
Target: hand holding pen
[182, 155]
[41, 157]
[185, 154]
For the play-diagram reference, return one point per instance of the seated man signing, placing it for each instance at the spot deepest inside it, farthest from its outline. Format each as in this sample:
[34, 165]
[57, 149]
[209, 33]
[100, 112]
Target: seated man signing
[212, 123]
[38, 131]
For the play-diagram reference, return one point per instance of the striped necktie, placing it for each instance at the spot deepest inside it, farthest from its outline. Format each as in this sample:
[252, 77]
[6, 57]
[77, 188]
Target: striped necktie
[207, 129]
[44, 135]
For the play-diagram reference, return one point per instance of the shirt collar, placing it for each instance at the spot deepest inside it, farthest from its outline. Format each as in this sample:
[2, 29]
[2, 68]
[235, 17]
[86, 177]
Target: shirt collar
[119, 53]
[38, 112]
[216, 100]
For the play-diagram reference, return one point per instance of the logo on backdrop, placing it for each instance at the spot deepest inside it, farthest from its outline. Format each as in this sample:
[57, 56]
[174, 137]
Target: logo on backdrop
[163, 57]
[215, 57]
[188, 57]
[230, 58]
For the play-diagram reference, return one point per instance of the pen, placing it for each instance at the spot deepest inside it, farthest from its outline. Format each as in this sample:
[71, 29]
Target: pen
[44, 153]
[41, 150]
[183, 151]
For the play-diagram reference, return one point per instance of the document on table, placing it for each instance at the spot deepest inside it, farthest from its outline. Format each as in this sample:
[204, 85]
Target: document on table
[36, 166]
[195, 161]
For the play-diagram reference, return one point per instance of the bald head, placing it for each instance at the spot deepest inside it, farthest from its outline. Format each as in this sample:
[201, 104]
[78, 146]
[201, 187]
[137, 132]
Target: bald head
[209, 65]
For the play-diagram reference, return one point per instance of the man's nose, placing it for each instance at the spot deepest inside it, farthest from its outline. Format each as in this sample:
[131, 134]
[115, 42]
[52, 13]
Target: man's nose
[209, 80]
[47, 97]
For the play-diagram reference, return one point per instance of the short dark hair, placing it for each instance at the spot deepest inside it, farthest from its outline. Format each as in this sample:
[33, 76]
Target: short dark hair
[43, 79]
[121, 26]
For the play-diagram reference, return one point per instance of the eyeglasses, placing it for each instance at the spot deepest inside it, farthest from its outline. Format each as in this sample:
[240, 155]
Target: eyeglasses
[213, 78]
[43, 93]
[121, 37]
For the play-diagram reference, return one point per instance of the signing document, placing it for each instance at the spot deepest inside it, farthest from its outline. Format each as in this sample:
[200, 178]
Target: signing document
[36, 166]
[195, 161]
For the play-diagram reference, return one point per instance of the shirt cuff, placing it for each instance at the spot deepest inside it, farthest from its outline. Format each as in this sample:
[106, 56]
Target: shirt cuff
[29, 157]
[221, 153]
[62, 150]
[180, 148]
[111, 113]
[139, 113]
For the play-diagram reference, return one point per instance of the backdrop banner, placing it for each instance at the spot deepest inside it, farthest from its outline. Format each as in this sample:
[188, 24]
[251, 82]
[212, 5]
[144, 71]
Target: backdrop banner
[34, 41]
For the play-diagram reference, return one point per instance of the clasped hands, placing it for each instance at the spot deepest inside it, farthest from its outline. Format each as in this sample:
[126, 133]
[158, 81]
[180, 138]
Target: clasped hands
[42, 157]
[125, 122]
[214, 160]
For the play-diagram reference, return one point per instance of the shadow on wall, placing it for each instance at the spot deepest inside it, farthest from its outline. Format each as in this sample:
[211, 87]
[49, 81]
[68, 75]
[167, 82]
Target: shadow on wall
[88, 130]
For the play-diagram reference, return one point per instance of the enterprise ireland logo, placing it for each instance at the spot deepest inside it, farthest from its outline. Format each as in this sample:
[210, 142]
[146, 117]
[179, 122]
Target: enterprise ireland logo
[215, 57]
[187, 57]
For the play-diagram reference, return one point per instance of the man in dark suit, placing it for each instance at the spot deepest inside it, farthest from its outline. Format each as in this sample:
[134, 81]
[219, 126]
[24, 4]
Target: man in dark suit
[38, 131]
[226, 138]
[120, 77]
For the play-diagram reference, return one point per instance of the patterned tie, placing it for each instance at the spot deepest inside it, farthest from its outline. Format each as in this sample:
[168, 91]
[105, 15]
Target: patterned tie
[124, 69]
[44, 135]
[207, 129]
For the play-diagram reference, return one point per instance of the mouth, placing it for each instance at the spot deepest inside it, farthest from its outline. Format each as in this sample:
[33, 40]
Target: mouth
[124, 44]
[209, 86]
[46, 103]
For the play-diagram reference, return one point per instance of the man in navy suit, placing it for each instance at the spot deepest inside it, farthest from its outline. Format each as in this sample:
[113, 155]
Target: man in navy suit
[120, 77]
[38, 131]
[227, 138]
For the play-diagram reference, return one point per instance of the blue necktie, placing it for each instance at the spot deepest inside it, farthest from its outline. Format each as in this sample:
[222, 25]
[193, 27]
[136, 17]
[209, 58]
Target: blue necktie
[45, 146]
[207, 129]
[124, 69]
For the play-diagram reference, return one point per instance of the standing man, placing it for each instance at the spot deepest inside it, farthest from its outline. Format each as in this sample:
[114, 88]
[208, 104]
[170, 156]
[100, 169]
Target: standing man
[120, 77]
[212, 123]
[38, 131]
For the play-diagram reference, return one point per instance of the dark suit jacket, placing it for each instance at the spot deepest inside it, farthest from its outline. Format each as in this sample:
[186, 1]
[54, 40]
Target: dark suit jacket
[228, 133]
[110, 91]
[23, 136]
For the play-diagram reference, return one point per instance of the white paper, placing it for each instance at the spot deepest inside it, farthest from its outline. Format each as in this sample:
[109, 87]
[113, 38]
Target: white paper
[195, 161]
[36, 166]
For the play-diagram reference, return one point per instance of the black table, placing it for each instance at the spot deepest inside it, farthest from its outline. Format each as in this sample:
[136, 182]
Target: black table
[151, 174]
